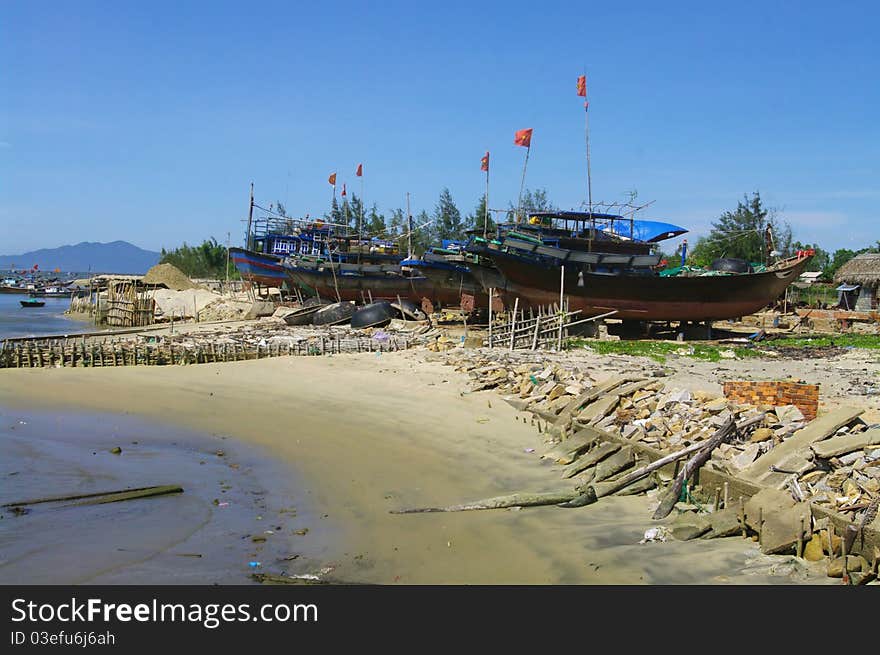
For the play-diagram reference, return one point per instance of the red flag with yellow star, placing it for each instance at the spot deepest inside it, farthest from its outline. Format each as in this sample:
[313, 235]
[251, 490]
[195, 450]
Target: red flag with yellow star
[523, 138]
[484, 162]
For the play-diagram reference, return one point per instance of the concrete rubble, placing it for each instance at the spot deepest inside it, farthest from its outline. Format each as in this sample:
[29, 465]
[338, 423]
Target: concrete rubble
[833, 463]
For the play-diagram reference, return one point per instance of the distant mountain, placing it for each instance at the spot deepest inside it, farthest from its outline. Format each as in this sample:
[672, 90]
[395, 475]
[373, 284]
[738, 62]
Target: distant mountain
[114, 257]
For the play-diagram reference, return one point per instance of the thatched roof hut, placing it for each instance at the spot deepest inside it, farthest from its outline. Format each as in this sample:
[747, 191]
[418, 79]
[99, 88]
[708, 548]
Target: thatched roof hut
[862, 269]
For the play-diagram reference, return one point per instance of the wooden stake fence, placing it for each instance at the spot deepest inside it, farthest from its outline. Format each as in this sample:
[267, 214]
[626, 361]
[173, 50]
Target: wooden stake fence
[77, 352]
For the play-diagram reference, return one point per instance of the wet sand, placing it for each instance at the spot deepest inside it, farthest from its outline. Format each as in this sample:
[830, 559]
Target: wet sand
[364, 434]
[209, 533]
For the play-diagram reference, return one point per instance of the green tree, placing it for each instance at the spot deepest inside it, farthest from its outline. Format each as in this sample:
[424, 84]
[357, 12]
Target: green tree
[447, 218]
[374, 222]
[355, 209]
[532, 201]
[208, 260]
[820, 260]
[741, 234]
[424, 233]
[478, 218]
[335, 215]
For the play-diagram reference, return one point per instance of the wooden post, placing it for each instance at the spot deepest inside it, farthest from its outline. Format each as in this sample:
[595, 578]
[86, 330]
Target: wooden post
[513, 322]
[561, 301]
[537, 330]
[491, 295]
[800, 541]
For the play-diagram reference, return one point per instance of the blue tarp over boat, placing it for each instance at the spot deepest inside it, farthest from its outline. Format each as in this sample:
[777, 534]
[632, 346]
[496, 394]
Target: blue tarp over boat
[648, 231]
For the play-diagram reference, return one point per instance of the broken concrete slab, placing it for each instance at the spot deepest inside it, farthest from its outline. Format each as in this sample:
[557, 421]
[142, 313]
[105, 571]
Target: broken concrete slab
[723, 523]
[788, 413]
[846, 443]
[784, 527]
[569, 450]
[592, 394]
[600, 452]
[622, 459]
[814, 431]
[766, 502]
[689, 526]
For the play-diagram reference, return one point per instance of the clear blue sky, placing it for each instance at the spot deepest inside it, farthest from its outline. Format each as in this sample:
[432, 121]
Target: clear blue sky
[147, 121]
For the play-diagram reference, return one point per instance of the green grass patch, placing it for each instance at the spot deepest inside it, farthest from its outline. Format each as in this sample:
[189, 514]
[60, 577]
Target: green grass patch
[660, 350]
[871, 341]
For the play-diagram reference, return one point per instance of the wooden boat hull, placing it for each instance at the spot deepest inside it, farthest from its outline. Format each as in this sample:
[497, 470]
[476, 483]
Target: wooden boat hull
[360, 288]
[7, 289]
[646, 297]
[258, 268]
[454, 279]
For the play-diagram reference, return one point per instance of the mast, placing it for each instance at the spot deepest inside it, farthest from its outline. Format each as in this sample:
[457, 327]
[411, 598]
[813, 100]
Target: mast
[522, 184]
[409, 249]
[589, 177]
[247, 238]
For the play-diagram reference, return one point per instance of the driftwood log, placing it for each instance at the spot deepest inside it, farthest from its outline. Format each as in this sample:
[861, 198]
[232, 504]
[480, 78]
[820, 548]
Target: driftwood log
[500, 502]
[103, 496]
[725, 432]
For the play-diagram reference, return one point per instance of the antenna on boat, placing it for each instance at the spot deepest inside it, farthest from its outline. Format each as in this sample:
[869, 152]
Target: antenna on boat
[409, 228]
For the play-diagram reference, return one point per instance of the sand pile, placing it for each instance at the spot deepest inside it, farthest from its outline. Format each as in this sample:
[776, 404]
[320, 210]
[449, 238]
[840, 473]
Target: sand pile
[169, 275]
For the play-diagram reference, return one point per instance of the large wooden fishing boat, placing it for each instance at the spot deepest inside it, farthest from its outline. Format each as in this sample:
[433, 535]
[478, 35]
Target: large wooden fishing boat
[632, 285]
[317, 258]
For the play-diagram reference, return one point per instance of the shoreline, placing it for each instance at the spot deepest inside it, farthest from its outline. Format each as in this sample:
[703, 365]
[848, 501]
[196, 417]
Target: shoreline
[369, 433]
[207, 534]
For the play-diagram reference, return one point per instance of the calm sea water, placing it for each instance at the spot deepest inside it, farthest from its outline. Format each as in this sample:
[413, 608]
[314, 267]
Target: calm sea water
[18, 321]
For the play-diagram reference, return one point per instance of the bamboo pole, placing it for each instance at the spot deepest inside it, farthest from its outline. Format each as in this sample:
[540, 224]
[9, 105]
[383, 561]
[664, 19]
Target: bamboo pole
[513, 322]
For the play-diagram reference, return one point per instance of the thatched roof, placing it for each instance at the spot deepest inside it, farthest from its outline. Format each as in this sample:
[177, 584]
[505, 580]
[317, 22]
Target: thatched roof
[862, 269]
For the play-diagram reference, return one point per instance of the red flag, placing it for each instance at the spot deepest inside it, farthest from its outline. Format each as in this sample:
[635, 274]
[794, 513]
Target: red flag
[582, 86]
[332, 179]
[484, 162]
[343, 189]
[523, 138]
[360, 170]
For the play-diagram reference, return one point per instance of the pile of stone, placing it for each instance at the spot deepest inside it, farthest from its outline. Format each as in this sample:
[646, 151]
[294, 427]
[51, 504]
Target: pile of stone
[836, 464]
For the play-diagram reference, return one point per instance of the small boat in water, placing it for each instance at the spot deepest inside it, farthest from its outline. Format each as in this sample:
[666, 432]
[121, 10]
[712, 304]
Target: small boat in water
[32, 302]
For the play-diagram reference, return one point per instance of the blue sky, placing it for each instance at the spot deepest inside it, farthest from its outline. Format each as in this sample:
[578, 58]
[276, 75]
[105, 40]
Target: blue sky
[147, 121]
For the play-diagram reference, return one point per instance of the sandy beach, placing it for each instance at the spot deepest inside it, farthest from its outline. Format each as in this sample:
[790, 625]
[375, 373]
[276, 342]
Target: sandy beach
[365, 434]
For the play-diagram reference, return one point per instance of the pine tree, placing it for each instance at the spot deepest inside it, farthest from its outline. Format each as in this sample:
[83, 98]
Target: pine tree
[374, 224]
[532, 201]
[447, 218]
[740, 234]
[478, 218]
[424, 233]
